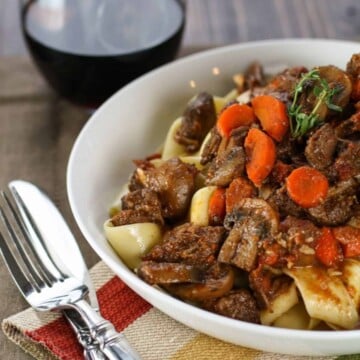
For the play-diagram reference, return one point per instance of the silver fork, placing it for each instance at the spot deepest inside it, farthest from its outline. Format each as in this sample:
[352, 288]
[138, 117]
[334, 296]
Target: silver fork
[50, 290]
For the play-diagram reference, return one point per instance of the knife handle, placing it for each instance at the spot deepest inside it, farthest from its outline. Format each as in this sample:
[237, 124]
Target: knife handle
[112, 343]
[115, 345]
[91, 350]
[93, 353]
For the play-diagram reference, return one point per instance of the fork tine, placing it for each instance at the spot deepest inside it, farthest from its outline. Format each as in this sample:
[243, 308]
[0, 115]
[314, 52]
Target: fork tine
[21, 280]
[16, 272]
[44, 263]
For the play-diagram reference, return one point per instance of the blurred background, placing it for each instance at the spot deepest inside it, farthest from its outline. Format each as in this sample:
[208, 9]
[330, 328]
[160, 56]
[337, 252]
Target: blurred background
[213, 22]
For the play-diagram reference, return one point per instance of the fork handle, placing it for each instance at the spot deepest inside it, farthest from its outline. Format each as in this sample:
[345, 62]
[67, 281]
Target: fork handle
[112, 343]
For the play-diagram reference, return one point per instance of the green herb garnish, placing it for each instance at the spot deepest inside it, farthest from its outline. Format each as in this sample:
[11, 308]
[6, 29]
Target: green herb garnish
[300, 122]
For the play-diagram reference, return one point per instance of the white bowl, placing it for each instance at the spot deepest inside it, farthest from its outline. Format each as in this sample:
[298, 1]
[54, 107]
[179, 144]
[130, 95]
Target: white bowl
[133, 122]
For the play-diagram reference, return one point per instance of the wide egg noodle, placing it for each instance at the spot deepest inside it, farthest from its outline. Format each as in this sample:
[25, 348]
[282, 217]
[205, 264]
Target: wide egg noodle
[280, 305]
[199, 208]
[351, 279]
[231, 95]
[202, 147]
[192, 159]
[219, 103]
[325, 297]
[132, 241]
[171, 148]
[296, 318]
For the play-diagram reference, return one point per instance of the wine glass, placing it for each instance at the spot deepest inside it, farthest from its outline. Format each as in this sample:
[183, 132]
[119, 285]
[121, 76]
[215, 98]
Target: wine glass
[88, 49]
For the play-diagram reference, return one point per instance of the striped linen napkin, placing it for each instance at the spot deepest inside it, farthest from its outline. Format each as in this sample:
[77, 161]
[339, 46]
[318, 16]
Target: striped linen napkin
[47, 336]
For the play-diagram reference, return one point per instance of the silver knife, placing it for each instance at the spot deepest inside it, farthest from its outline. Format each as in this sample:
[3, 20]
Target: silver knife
[62, 248]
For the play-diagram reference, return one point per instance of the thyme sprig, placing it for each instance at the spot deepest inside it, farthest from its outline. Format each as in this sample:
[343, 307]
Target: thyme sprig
[300, 122]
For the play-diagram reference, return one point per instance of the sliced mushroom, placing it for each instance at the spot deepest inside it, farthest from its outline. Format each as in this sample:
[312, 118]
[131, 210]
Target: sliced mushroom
[249, 223]
[336, 79]
[254, 207]
[339, 79]
[218, 281]
[169, 273]
[211, 147]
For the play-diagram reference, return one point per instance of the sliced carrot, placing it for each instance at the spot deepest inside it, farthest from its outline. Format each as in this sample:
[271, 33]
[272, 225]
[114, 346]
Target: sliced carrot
[327, 249]
[239, 188]
[261, 154]
[217, 207]
[272, 115]
[349, 237]
[307, 186]
[234, 116]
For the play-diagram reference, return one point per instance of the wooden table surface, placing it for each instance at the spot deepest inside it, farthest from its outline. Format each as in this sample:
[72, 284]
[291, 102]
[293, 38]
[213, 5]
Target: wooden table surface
[209, 23]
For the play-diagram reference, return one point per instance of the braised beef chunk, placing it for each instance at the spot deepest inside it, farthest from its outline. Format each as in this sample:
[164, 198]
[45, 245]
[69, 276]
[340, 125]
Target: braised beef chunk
[126, 217]
[299, 230]
[291, 151]
[139, 206]
[321, 146]
[174, 183]
[281, 201]
[169, 273]
[349, 129]
[190, 244]
[254, 76]
[211, 147]
[199, 117]
[237, 304]
[301, 236]
[279, 173]
[141, 199]
[136, 182]
[353, 66]
[347, 163]
[267, 286]
[282, 85]
[338, 206]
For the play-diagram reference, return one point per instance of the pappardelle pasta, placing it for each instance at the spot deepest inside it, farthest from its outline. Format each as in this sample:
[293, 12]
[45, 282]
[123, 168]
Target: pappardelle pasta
[251, 208]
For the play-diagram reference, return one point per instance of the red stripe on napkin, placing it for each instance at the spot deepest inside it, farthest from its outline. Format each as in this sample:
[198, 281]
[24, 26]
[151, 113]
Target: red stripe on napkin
[118, 303]
[59, 338]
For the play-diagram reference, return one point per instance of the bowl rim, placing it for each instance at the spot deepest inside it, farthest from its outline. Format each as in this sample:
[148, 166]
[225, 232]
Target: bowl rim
[258, 329]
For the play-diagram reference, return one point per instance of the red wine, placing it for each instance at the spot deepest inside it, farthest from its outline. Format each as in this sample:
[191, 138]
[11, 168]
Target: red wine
[87, 50]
